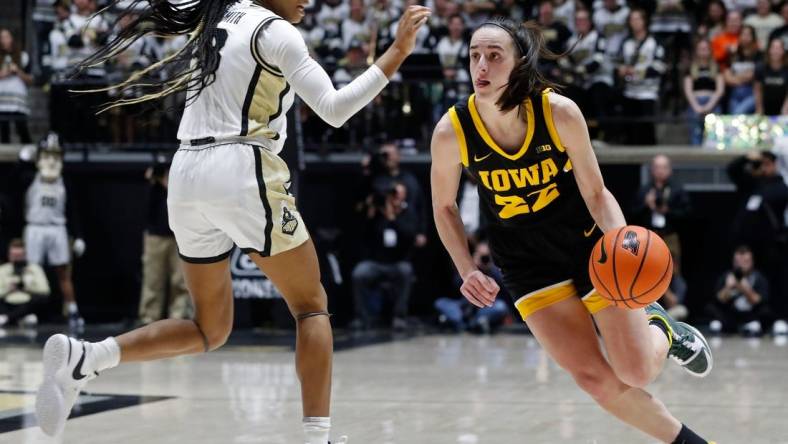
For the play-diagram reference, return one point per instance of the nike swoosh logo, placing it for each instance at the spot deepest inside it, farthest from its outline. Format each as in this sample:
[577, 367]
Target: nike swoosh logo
[77, 374]
[591, 230]
[603, 256]
[479, 159]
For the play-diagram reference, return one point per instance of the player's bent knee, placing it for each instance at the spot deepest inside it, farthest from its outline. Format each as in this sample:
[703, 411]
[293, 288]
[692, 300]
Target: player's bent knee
[214, 336]
[635, 374]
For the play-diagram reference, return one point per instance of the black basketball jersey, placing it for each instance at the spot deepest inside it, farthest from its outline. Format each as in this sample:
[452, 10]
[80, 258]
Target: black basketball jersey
[526, 187]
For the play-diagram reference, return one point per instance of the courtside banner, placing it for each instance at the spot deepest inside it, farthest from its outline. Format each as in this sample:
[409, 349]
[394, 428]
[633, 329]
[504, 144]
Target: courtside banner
[248, 281]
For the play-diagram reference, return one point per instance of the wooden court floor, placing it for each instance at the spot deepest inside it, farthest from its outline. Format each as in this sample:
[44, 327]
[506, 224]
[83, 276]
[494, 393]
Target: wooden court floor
[423, 389]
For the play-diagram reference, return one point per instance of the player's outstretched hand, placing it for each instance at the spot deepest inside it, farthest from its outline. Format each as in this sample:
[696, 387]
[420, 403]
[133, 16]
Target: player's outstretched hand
[479, 289]
[409, 24]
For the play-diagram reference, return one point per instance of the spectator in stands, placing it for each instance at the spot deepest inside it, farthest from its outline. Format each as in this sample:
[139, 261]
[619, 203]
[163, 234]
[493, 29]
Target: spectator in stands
[564, 12]
[611, 21]
[713, 22]
[514, 9]
[662, 205]
[441, 13]
[162, 278]
[389, 234]
[424, 40]
[759, 220]
[452, 50]
[56, 59]
[85, 32]
[771, 82]
[640, 72]
[740, 75]
[554, 32]
[14, 79]
[724, 43]
[460, 314]
[704, 87]
[329, 18]
[764, 21]
[588, 71]
[478, 11]
[355, 26]
[23, 287]
[741, 296]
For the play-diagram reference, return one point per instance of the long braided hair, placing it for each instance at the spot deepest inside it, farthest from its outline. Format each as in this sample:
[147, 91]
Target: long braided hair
[193, 66]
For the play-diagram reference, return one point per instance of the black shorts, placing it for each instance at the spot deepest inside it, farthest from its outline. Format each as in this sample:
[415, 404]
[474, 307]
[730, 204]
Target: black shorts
[548, 262]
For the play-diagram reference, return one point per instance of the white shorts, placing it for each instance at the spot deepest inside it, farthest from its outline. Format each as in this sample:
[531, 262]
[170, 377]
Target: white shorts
[231, 193]
[47, 244]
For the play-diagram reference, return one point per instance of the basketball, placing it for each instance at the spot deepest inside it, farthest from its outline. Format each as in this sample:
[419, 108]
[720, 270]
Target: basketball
[631, 266]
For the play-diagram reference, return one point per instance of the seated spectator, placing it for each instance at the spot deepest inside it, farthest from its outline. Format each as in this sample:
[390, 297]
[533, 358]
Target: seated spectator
[704, 87]
[56, 60]
[724, 43]
[555, 35]
[675, 297]
[741, 296]
[764, 21]
[478, 11]
[389, 234]
[14, 79]
[713, 22]
[641, 72]
[461, 315]
[611, 21]
[740, 76]
[85, 32]
[23, 287]
[771, 82]
[424, 38]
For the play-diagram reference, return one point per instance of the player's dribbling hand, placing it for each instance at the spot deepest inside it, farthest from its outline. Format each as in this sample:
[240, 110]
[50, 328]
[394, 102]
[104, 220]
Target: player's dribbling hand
[409, 24]
[479, 289]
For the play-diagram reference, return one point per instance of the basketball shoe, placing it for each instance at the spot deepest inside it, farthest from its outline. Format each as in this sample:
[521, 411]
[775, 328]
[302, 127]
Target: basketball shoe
[67, 369]
[688, 347]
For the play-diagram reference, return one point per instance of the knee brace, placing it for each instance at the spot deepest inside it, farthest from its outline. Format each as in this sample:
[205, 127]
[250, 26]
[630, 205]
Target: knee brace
[311, 314]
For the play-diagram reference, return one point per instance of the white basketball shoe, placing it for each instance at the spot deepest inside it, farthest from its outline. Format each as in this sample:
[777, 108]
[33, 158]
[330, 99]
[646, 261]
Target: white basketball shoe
[67, 365]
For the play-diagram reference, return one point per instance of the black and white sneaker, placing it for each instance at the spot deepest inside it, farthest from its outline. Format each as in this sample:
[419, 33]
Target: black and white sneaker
[66, 372]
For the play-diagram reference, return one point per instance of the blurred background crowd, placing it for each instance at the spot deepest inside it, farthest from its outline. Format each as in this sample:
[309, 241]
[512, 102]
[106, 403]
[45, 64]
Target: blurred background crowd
[645, 72]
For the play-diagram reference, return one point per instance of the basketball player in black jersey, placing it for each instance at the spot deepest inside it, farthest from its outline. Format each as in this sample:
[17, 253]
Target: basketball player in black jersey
[541, 188]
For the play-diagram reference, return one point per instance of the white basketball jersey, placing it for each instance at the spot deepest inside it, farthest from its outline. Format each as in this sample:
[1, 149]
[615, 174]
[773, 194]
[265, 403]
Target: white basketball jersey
[45, 202]
[249, 98]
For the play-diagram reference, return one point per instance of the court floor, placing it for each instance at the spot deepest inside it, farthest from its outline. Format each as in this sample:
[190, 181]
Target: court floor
[425, 389]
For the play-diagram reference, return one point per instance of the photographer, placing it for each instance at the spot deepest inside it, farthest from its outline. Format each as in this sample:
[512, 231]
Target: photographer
[461, 314]
[23, 286]
[382, 170]
[162, 278]
[759, 221]
[390, 230]
[741, 297]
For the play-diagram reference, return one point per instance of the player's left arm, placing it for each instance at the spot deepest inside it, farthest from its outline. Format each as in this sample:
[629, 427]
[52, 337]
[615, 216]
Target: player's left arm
[573, 132]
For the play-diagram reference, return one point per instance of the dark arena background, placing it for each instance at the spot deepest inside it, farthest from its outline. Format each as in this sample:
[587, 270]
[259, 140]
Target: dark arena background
[693, 147]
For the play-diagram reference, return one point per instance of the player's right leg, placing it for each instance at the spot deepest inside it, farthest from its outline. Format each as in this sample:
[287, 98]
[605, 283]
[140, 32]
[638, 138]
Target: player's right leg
[566, 332]
[69, 364]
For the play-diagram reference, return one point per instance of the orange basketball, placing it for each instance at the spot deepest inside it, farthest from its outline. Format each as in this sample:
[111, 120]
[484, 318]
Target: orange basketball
[631, 266]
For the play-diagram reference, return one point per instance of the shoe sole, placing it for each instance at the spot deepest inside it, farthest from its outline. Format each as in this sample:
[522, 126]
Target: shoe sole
[50, 400]
[709, 357]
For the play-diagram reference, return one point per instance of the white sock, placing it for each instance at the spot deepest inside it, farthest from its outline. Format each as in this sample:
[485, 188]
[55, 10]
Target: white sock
[105, 354]
[317, 429]
[71, 308]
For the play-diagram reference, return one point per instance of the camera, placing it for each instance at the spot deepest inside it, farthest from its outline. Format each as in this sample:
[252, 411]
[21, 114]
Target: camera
[738, 273]
[485, 260]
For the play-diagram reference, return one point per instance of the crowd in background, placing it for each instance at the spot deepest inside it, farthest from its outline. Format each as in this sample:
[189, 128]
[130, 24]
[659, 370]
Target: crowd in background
[629, 64]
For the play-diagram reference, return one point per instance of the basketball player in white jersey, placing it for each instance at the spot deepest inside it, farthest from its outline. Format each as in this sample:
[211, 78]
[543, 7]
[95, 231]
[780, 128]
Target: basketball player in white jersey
[228, 186]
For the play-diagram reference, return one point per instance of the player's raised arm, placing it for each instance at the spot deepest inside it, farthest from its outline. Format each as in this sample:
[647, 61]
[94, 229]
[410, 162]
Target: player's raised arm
[572, 131]
[283, 46]
[445, 174]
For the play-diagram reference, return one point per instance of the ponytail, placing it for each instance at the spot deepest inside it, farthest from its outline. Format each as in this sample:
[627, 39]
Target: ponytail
[191, 69]
[525, 79]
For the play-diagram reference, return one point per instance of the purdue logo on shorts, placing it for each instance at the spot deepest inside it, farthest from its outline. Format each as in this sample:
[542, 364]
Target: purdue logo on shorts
[289, 222]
